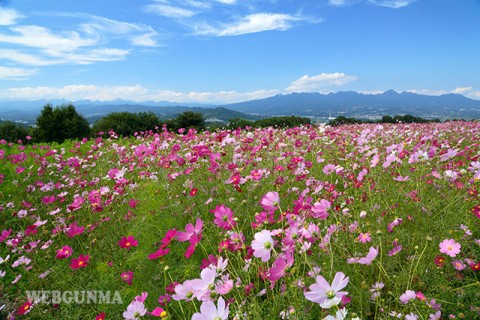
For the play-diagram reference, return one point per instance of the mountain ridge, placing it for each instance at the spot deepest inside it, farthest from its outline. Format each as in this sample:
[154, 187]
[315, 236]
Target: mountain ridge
[309, 104]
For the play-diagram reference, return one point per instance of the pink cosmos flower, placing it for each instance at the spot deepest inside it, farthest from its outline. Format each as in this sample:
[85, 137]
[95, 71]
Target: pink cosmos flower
[224, 217]
[159, 253]
[364, 237]
[450, 247]
[327, 295]
[127, 277]
[459, 265]
[270, 201]
[128, 242]
[135, 310]
[203, 287]
[73, 230]
[319, 209]
[80, 262]
[278, 270]
[371, 255]
[328, 169]
[65, 252]
[208, 311]
[396, 249]
[184, 291]
[262, 245]
[407, 296]
[190, 230]
[159, 312]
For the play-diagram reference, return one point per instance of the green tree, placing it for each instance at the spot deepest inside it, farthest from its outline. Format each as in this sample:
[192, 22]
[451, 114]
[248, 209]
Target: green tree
[12, 132]
[60, 123]
[189, 119]
[126, 123]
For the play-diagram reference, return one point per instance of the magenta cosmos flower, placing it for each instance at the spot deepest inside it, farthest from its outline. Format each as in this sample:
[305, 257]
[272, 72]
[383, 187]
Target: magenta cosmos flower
[224, 217]
[128, 242]
[270, 201]
[450, 247]
[80, 262]
[262, 245]
[65, 252]
[327, 295]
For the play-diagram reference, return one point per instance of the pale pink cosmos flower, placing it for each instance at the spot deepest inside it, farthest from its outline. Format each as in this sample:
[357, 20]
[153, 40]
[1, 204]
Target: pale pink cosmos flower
[450, 247]
[327, 295]
[364, 237]
[135, 310]
[211, 312]
[459, 265]
[407, 296]
[270, 201]
[319, 209]
[262, 245]
[202, 287]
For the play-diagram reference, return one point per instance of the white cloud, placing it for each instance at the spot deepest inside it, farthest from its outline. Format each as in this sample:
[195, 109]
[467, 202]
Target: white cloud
[319, 82]
[252, 23]
[134, 93]
[35, 45]
[169, 11]
[41, 37]
[395, 4]
[9, 16]
[462, 90]
[227, 1]
[136, 33]
[468, 92]
[21, 57]
[342, 3]
[7, 73]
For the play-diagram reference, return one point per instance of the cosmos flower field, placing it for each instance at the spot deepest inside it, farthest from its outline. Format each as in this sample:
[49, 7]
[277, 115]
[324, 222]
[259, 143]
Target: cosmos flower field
[350, 222]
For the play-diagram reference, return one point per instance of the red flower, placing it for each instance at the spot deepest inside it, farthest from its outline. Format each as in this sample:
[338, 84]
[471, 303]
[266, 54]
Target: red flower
[80, 262]
[127, 242]
[475, 266]
[25, 308]
[193, 192]
[439, 261]
[31, 230]
[101, 316]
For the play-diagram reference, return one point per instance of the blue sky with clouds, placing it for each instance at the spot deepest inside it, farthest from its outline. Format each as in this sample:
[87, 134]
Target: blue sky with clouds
[216, 51]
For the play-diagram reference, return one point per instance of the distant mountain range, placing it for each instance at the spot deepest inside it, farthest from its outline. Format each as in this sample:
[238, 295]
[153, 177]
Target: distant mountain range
[360, 105]
[316, 105]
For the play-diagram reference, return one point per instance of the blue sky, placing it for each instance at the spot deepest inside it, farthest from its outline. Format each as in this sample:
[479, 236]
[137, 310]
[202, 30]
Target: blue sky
[220, 51]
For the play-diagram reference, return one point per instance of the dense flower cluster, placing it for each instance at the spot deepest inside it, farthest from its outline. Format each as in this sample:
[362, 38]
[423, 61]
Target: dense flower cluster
[351, 222]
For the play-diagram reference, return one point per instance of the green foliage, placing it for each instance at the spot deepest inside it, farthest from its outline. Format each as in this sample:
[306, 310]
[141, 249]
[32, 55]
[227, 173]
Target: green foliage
[126, 123]
[408, 118]
[59, 124]
[240, 123]
[187, 120]
[282, 122]
[12, 132]
[278, 122]
[343, 120]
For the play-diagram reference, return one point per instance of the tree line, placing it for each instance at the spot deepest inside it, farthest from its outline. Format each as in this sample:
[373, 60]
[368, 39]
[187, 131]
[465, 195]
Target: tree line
[60, 123]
